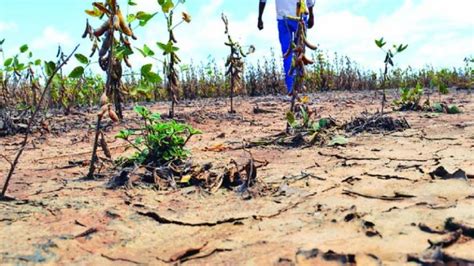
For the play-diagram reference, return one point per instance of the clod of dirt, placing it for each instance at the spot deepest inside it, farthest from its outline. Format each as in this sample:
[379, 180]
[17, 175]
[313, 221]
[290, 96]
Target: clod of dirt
[452, 225]
[442, 173]
[375, 123]
[258, 110]
[436, 256]
[120, 180]
[316, 257]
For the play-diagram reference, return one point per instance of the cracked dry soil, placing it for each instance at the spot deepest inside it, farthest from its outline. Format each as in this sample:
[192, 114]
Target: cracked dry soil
[371, 202]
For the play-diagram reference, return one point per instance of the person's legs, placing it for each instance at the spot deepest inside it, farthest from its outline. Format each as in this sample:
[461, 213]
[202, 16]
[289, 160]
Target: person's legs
[286, 30]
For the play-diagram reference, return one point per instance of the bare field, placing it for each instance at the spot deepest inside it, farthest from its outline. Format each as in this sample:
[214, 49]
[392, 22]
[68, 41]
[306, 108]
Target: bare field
[370, 202]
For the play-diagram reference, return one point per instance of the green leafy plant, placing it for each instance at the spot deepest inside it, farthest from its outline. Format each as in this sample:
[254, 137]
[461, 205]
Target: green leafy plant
[306, 124]
[312, 131]
[410, 98]
[23, 67]
[444, 108]
[297, 50]
[389, 55]
[234, 63]
[157, 142]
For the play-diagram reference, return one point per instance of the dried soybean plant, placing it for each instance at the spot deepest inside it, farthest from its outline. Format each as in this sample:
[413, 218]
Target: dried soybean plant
[99, 135]
[235, 62]
[112, 51]
[297, 50]
[170, 51]
[111, 54]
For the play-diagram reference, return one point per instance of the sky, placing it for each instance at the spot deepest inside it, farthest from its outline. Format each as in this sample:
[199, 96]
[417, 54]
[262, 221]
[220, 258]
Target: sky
[440, 33]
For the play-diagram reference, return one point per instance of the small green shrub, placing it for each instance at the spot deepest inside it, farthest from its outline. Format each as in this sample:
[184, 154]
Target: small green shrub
[157, 142]
[410, 98]
[307, 124]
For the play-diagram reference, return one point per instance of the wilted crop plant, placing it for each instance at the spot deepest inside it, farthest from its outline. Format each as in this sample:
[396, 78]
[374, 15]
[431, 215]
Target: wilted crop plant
[113, 38]
[389, 55]
[112, 53]
[297, 49]
[170, 50]
[172, 60]
[234, 63]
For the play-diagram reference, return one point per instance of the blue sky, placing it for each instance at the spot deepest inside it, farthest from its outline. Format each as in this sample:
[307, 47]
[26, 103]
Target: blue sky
[439, 32]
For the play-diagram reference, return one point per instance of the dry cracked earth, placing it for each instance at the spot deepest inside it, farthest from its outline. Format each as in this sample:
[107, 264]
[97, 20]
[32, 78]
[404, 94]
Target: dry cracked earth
[375, 201]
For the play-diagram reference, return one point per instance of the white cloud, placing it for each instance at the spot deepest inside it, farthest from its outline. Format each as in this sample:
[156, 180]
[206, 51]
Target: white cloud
[204, 37]
[51, 38]
[7, 26]
[439, 33]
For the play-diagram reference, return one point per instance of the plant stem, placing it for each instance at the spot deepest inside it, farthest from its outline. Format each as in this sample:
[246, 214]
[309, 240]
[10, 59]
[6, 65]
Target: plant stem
[94, 157]
[232, 84]
[383, 87]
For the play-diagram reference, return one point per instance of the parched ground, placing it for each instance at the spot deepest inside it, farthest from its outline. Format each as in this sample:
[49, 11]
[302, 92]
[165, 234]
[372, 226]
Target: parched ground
[372, 201]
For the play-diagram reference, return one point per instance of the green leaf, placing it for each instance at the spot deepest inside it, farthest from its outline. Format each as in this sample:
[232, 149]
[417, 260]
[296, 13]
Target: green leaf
[380, 43]
[124, 134]
[8, 62]
[123, 51]
[323, 123]
[20, 67]
[144, 17]
[146, 69]
[37, 62]
[155, 117]
[24, 48]
[437, 107]
[167, 48]
[290, 118]
[141, 110]
[153, 77]
[146, 51]
[453, 109]
[82, 59]
[2, 41]
[193, 131]
[338, 141]
[49, 68]
[131, 3]
[131, 18]
[148, 75]
[76, 72]
[166, 5]
[402, 48]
